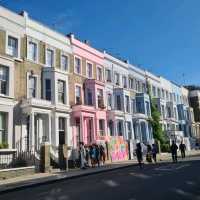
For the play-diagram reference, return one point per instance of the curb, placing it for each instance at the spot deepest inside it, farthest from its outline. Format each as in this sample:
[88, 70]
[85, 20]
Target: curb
[18, 187]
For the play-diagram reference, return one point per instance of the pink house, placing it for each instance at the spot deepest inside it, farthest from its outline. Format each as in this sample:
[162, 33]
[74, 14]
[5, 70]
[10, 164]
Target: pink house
[89, 111]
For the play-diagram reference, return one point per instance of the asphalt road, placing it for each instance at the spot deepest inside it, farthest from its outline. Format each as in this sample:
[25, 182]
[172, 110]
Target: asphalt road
[179, 181]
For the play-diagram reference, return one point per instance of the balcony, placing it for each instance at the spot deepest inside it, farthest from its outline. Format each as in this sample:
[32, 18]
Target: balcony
[34, 102]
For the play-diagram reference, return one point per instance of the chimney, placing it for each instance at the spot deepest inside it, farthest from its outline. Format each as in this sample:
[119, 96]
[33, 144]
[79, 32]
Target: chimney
[70, 35]
[24, 14]
[87, 42]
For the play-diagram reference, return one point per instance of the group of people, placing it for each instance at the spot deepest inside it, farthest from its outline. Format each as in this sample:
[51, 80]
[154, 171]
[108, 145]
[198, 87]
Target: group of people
[174, 149]
[92, 155]
[151, 153]
[152, 150]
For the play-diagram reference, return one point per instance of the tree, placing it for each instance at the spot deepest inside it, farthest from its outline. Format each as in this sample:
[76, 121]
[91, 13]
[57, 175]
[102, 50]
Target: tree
[158, 133]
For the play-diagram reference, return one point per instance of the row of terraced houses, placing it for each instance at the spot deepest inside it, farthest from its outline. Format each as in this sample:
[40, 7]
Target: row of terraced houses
[58, 89]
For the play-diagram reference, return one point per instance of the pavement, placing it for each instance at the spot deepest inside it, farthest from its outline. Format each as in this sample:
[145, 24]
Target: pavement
[39, 179]
[164, 181]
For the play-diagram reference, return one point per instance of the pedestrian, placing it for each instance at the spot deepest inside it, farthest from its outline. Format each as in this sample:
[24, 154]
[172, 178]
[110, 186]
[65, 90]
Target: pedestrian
[174, 149]
[139, 154]
[97, 155]
[182, 148]
[87, 156]
[154, 152]
[93, 155]
[102, 154]
[82, 155]
[149, 154]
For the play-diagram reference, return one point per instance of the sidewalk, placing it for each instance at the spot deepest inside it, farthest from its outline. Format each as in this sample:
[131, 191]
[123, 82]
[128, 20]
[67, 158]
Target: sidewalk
[46, 178]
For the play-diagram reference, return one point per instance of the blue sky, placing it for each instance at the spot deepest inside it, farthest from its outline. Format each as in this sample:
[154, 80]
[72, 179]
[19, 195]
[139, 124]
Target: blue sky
[162, 36]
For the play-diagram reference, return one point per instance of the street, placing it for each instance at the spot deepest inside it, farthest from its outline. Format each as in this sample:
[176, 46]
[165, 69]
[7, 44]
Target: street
[179, 181]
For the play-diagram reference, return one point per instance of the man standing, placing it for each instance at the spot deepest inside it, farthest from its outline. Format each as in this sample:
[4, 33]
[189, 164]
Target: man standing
[154, 152]
[182, 148]
[174, 149]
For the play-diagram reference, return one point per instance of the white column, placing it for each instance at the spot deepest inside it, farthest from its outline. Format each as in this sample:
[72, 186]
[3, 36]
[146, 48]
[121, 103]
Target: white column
[49, 126]
[32, 130]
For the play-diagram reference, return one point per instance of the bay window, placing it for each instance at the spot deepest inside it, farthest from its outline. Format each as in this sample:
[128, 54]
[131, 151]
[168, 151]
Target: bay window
[4, 80]
[61, 91]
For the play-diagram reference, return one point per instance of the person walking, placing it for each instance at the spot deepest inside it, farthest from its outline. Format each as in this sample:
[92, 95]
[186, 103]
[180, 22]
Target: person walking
[139, 154]
[102, 154]
[182, 148]
[149, 154]
[82, 155]
[174, 149]
[97, 157]
[154, 152]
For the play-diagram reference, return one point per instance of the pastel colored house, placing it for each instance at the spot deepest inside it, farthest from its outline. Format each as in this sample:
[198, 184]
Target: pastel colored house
[88, 102]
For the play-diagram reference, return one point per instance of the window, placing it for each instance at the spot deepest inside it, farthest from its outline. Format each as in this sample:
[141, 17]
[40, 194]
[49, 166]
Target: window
[127, 106]
[118, 102]
[3, 80]
[129, 130]
[61, 91]
[13, 46]
[100, 98]
[167, 95]
[175, 113]
[108, 75]
[159, 94]
[3, 128]
[133, 106]
[154, 91]
[109, 101]
[131, 83]
[48, 89]
[32, 86]
[61, 126]
[143, 88]
[89, 97]
[171, 97]
[32, 51]
[101, 127]
[78, 94]
[64, 63]
[120, 128]
[163, 111]
[99, 74]
[147, 108]
[77, 65]
[124, 80]
[139, 107]
[116, 78]
[49, 57]
[89, 70]
[163, 94]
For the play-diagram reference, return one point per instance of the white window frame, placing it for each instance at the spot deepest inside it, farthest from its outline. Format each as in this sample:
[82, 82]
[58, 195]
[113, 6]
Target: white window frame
[68, 61]
[100, 67]
[88, 62]
[37, 49]
[27, 85]
[19, 44]
[54, 55]
[80, 65]
[64, 88]
[81, 96]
